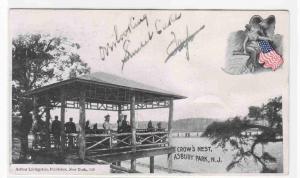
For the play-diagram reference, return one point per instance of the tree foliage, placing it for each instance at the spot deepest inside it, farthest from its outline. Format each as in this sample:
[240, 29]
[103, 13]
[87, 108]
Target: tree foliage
[37, 60]
[265, 120]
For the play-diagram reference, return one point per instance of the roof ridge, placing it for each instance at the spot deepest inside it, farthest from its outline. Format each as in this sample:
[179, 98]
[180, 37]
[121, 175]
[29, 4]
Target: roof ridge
[103, 78]
[125, 79]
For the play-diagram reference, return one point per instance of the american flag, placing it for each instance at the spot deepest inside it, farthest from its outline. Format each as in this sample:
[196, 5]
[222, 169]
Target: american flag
[268, 56]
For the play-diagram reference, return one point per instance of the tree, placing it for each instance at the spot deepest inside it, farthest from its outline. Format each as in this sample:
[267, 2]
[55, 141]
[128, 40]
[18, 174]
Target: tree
[37, 60]
[267, 120]
[254, 112]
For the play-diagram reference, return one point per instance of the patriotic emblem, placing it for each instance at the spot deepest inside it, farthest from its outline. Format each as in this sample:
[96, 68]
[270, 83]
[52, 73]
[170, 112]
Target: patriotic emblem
[268, 56]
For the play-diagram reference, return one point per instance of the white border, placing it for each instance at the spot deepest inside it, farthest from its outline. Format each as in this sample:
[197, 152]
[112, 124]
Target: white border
[290, 5]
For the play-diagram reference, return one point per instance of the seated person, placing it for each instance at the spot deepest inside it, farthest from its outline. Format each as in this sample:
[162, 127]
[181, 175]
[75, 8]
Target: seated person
[95, 129]
[87, 127]
[125, 126]
[119, 123]
[150, 127]
[159, 127]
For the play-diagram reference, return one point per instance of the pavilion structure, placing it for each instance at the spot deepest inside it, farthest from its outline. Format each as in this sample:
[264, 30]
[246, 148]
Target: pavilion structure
[107, 92]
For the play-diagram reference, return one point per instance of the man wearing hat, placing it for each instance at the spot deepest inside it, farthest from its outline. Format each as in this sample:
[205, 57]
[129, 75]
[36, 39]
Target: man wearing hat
[106, 124]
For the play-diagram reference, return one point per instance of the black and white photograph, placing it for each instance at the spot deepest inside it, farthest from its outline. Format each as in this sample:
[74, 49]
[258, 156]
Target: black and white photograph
[149, 91]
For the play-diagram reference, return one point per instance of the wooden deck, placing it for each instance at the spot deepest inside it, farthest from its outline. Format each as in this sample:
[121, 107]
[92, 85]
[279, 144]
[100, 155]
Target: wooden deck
[115, 147]
[128, 154]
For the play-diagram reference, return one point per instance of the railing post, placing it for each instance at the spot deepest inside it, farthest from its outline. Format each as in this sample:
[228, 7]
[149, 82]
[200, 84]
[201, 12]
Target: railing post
[110, 140]
[133, 130]
[170, 159]
[153, 137]
[81, 137]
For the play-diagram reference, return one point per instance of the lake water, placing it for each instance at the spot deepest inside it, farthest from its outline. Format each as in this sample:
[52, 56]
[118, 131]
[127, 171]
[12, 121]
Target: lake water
[207, 160]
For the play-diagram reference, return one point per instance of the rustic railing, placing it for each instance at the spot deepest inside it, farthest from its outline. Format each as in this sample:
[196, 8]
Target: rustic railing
[151, 137]
[39, 141]
[112, 141]
[102, 142]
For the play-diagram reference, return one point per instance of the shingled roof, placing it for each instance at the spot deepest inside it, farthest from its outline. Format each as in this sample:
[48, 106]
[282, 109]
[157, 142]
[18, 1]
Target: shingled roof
[105, 79]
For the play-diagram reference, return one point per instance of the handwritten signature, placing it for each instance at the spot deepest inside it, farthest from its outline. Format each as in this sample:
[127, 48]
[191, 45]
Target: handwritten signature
[129, 46]
[177, 45]
[160, 27]
[121, 37]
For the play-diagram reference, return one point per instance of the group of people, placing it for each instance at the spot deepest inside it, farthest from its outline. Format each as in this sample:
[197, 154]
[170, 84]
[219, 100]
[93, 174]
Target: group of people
[123, 126]
[40, 130]
[69, 128]
[150, 127]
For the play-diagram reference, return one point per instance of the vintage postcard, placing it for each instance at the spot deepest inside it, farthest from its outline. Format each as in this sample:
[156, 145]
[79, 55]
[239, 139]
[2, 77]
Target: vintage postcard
[98, 92]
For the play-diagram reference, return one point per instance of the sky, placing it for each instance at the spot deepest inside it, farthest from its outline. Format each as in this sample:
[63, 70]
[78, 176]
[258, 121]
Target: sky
[210, 92]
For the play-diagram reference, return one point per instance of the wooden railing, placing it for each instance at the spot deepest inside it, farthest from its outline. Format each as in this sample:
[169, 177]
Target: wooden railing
[151, 137]
[39, 141]
[111, 141]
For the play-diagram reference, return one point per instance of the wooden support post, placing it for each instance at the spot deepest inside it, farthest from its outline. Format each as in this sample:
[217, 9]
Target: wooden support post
[118, 163]
[170, 122]
[62, 119]
[81, 138]
[119, 115]
[48, 116]
[151, 164]
[35, 108]
[119, 111]
[35, 118]
[133, 130]
[133, 165]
